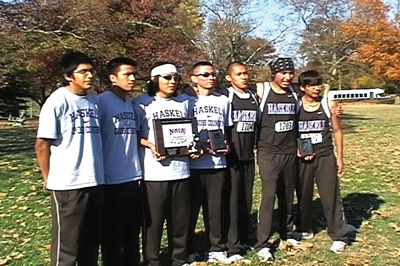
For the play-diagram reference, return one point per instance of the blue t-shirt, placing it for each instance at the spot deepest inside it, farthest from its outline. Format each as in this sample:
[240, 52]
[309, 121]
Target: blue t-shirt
[119, 134]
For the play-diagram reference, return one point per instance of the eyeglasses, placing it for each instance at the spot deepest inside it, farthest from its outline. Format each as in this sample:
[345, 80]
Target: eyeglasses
[169, 77]
[206, 74]
[86, 72]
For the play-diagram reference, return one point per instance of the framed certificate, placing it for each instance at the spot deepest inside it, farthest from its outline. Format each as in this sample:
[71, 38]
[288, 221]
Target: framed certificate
[305, 147]
[175, 136]
[217, 140]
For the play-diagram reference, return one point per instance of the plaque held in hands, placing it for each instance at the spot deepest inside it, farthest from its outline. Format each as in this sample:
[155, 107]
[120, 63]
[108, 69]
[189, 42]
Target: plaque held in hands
[217, 140]
[175, 136]
[305, 147]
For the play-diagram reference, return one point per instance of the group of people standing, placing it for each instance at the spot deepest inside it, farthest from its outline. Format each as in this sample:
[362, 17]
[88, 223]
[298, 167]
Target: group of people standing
[108, 181]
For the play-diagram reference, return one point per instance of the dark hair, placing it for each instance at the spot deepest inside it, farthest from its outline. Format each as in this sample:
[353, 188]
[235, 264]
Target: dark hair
[71, 61]
[114, 64]
[232, 65]
[153, 85]
[199, 64]
[310, 77]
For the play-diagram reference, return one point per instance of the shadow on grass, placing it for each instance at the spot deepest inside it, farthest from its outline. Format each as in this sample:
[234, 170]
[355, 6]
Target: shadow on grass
[16, 141]
[358, 207]
[348, 122]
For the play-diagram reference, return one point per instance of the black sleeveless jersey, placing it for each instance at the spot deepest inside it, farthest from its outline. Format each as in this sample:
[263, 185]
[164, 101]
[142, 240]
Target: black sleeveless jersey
[245, 117]
[277, 128]
[316, 126]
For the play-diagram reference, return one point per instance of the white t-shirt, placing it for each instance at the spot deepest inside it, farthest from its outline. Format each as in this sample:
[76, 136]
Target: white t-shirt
[72, 122]
[155, 107]
[212, 112]
[119, 135]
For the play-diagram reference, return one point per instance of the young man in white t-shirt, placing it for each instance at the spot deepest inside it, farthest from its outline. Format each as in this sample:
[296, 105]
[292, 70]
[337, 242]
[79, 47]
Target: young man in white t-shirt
[69, 152]
[207, 174]
[166, 179]
[122, 171]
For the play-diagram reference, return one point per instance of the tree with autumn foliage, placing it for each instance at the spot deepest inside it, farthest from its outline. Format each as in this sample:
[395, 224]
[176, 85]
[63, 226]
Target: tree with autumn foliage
[377, 38]
[35, 34]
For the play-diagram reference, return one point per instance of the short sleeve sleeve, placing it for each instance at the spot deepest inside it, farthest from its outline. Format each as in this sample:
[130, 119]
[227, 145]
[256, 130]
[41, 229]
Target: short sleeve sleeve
[49, 122]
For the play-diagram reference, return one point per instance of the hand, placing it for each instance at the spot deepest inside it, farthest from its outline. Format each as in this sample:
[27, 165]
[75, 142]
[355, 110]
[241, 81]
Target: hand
[309, 157]
[340, 165]
[195, 156]
[156, 154]
[228, 148]
[338, 111]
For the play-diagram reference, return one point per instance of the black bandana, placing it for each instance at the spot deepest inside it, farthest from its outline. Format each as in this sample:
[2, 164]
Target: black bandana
[281, 64]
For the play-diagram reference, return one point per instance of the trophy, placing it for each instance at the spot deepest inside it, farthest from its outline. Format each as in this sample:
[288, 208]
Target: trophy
[305, 147]
[193, 145]
[217, 140]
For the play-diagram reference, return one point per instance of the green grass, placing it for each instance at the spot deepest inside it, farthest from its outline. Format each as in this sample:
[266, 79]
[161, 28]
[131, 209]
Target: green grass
[370, 190]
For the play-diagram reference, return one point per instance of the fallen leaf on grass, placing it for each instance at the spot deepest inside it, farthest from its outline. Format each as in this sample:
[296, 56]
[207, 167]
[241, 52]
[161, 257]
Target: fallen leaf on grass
[5, 260]
[2, 195]
[13, 188]
[395, 227]
[38, 214]
[292, 249]
[356, 262]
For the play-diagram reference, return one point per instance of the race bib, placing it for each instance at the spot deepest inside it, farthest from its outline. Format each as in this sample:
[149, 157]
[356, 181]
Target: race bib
[315, 137]
[283, 126]
[245, 126]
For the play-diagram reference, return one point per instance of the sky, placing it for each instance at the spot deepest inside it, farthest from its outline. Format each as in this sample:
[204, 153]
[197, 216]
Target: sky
[273, 18]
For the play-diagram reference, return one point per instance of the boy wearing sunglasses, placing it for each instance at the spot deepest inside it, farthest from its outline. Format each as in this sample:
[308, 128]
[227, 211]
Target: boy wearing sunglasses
[70, 156]
[166, 179]
[212, 111]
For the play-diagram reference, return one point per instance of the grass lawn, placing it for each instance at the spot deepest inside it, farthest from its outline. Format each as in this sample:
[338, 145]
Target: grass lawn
[370, 190]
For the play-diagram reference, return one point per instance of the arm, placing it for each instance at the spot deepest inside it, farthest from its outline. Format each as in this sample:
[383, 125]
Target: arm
[145, 143]
[42, 147]
[338, 134]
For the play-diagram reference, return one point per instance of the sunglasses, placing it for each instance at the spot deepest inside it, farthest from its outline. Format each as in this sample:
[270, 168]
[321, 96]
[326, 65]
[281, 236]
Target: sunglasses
[206, 74]
[169, 77]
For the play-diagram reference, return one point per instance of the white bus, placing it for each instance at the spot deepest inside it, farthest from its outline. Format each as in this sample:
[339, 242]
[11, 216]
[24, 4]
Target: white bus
[357, 94]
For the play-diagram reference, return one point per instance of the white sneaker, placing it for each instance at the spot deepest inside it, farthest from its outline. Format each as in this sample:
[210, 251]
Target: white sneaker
[265, 255]
[216, 257]
[234, 258]
[338, 247]
[307, 235]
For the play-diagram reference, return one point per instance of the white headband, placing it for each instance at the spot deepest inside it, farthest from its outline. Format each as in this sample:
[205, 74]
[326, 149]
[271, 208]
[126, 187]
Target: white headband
[163, 69]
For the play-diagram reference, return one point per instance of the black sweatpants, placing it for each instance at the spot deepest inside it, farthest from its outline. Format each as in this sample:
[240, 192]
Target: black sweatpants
[166, 200]
[122, 220]
[206, 190]
[77, 219]
[324, 170]
[278, 176]
[240, 193]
